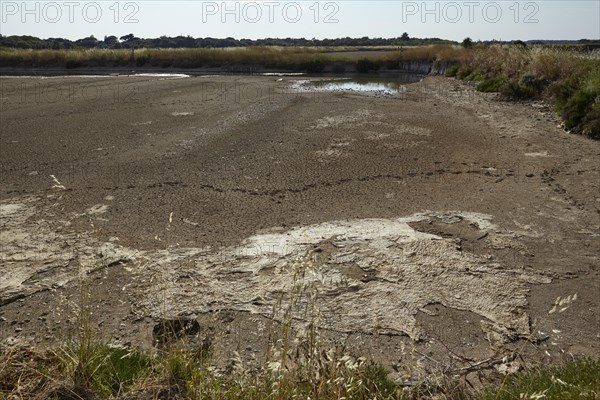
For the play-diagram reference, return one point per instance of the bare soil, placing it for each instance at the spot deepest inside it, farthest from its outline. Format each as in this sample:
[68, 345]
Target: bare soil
[438, 229]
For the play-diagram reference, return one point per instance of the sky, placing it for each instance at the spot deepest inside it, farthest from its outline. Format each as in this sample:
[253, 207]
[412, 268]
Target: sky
[455, 20]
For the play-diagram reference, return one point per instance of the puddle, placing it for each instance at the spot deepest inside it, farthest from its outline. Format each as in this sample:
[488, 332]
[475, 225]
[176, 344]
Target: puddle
[381, 83]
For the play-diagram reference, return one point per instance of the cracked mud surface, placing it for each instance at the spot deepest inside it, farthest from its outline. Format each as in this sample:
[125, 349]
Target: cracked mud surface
[439, 227]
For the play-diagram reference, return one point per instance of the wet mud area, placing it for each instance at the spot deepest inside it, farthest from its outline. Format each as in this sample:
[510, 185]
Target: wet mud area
[434, 230]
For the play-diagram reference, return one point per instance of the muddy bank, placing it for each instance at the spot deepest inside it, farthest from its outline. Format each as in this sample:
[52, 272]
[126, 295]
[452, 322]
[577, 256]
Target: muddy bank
[438, 218]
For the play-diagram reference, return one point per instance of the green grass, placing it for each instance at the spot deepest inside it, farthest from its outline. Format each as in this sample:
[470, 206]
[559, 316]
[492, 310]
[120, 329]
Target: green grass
[463, 72]
[475, 76]
[492, 85]
[579, 379]
[577, 106]
[101, 368]
[452, 70]
[580, 105]
[516, 90]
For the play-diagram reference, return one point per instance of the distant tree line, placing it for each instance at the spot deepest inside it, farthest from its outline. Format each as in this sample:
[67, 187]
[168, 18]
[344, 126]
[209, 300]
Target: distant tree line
[131, 41]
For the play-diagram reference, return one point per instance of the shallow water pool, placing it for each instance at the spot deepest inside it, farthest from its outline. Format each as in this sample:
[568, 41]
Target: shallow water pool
[383, 83]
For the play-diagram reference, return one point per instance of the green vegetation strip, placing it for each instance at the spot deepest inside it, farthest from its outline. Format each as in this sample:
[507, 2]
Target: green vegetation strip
[578, 379]
[101, 371]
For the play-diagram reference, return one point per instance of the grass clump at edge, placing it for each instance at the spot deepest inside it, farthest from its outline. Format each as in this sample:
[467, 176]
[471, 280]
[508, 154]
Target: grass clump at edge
[100, 368]
[578, 379]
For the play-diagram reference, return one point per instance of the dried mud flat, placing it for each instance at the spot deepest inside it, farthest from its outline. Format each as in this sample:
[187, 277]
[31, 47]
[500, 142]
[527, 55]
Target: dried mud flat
[438, 228]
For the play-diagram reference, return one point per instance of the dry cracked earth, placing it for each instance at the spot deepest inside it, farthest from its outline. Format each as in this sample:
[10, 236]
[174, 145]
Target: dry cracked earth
[434, 229]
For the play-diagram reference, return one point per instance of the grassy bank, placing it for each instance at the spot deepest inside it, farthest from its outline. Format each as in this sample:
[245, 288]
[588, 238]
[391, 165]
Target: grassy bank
[569, 80]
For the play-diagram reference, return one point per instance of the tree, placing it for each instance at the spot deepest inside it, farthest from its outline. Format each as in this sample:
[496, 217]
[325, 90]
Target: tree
[131, 42]
[110, 40]
[89, 42]
[468, 42]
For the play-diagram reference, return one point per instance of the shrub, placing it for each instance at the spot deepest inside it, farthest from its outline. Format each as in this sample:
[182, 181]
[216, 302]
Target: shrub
[492, 84]
[452, 70]
[475, 76]
[591, 122]
[463, 72]
[562, 92]
[534, 82]
[576, 108]
[519, 43]
[515, 90]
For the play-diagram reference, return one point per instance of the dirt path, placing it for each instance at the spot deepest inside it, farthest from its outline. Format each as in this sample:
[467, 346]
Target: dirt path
[437, 227]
